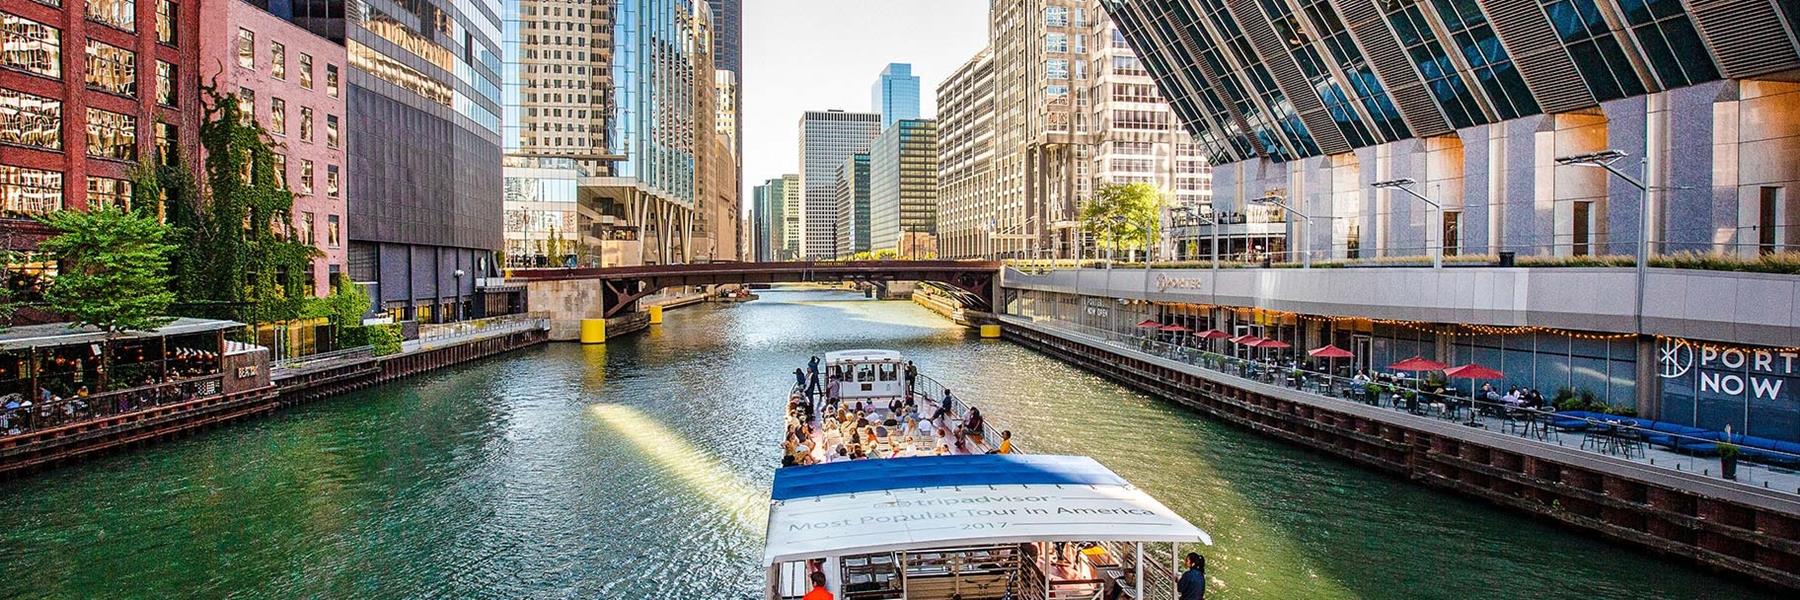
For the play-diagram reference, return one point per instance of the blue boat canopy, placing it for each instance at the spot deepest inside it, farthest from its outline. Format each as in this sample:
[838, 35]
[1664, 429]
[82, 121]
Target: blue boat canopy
[963, 470]
[916, 503]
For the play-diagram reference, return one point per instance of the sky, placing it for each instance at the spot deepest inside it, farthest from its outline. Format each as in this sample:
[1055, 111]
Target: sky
[802, 55]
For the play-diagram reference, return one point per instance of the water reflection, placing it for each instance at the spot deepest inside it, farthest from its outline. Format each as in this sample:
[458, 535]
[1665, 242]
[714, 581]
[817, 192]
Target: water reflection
[639, 469]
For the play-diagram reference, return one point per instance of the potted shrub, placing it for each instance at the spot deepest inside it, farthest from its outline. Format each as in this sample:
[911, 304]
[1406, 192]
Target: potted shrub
[1728, 457]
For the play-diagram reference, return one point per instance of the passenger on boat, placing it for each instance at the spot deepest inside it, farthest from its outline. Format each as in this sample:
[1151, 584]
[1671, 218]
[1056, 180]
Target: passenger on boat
[972, 427]
[818, 591]
[1005, 443]
[1192, 585]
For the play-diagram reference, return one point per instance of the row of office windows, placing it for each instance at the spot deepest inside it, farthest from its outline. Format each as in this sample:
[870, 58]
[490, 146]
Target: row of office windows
[278, 63]
[36, 121]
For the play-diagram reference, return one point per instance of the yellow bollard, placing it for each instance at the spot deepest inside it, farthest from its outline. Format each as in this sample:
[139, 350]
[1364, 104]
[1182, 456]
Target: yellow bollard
[990, 331]
[593, 331]
[656, 315]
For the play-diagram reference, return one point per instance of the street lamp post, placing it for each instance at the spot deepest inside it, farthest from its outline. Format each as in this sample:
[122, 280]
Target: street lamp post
[1605, 159]
[1404, 185]
[1306, 255]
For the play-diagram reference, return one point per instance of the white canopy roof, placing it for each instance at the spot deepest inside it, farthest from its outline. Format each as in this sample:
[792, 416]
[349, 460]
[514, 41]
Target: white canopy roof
[949, 506]
[832, 358]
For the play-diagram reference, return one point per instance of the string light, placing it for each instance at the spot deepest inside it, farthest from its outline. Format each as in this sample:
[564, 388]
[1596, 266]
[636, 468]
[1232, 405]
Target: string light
[1723, 347]
[1452, 329]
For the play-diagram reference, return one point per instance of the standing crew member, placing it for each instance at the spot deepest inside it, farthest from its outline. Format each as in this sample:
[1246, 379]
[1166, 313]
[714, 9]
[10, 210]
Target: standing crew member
[818, 591]
[1193, 583]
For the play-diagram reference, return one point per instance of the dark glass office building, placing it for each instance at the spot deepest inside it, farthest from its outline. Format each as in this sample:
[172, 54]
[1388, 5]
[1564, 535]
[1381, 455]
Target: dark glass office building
[425, 212]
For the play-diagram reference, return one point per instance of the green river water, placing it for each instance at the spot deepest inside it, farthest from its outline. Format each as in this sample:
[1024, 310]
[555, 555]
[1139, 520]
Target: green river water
[639, 470]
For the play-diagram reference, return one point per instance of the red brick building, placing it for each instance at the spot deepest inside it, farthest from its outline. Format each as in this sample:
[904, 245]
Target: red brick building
[88, 88]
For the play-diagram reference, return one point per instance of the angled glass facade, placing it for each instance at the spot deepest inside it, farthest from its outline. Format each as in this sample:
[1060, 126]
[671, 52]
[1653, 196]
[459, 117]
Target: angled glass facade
[1224, 65]
[895, 95]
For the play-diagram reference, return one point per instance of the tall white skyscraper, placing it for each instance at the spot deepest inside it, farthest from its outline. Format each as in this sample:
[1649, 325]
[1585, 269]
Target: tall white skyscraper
[827, 139]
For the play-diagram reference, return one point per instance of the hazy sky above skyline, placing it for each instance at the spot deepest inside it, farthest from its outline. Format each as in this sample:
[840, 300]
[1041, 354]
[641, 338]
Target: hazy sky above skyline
[802, 55]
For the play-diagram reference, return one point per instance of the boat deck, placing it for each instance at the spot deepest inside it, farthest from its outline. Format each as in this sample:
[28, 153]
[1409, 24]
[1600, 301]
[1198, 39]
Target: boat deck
[885, 432]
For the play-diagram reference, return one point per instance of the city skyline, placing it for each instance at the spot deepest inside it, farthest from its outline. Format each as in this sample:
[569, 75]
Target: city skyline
[788, 42]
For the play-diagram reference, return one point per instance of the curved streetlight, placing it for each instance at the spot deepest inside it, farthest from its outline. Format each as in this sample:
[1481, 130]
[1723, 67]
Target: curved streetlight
[1306, 240]
[1604, 159]
[1405, 185]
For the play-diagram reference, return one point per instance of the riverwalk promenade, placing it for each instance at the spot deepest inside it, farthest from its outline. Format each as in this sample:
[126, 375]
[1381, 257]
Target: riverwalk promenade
[1734, 526]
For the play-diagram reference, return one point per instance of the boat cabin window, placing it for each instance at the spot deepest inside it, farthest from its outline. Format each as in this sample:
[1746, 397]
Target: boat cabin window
[865, 372]
[890, 372]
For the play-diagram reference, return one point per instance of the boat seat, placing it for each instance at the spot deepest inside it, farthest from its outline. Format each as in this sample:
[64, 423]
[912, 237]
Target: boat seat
[986, 586]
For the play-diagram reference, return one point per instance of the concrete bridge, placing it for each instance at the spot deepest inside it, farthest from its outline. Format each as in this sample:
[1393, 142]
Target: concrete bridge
[571, 295]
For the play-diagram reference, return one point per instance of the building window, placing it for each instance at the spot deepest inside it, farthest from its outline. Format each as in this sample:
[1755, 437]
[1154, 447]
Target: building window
[247, 105]
[277, 116]
[1056, 69]
[306, 121]
[1771, 218]
[30, 120]
[277, 60]
[331, 131]
[1452, 232]
[1056, 16]
[29, 192]
[306, 178]
[331, 181]
[106, 191]
[165, 84]
[280, 161]
[1597, 54]
[167, 137]
[246, 48]
[1583, 230]
[117, 13]
[333, 231]
[111, 69]
[30, 46]
[1669, 41]
[111, 135]
[309, 223]
[331, 80]
[165, 21]
[306, 71]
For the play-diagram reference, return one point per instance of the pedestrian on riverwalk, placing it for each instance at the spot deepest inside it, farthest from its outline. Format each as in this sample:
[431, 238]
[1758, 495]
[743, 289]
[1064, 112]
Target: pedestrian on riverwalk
[818, 591]
[1193, 583]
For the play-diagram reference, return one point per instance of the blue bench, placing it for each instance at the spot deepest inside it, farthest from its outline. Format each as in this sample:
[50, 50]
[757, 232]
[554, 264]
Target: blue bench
[1687, 438]
[1765, 450]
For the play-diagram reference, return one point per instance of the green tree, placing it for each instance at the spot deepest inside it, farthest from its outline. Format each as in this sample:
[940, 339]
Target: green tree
[347, 303]
[239, 252]
[1123, 217]
[113, 268]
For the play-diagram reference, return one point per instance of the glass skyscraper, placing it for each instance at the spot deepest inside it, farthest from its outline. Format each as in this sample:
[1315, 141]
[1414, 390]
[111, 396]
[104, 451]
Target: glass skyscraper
[896, 94]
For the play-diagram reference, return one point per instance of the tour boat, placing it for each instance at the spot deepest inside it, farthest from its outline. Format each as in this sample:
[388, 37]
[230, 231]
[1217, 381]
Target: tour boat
[927, 519]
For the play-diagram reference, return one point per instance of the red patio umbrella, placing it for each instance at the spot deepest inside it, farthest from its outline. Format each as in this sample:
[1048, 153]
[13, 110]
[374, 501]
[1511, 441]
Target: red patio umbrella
[1246, 340]
[1269, 344]
[1418, 363]
[1149, 324]
[1212, 334]
[1330, 353]
[1174, 328]
[1472, 372]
